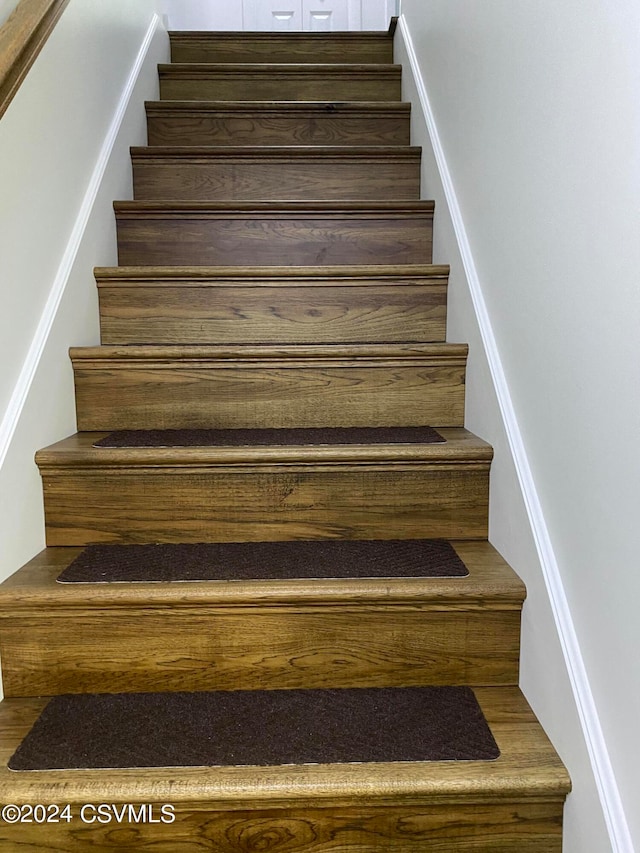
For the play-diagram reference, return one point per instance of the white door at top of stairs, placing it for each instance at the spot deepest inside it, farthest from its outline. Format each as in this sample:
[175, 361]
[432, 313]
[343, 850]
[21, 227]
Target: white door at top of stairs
[317, 15]
[297, 15]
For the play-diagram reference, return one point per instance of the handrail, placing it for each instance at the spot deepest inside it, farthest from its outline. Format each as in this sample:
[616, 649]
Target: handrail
[22, 37]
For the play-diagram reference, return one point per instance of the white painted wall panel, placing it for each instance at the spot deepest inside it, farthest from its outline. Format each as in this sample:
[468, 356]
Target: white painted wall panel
[64, 144]
[537, 106]
[203, 14]
[6, 8]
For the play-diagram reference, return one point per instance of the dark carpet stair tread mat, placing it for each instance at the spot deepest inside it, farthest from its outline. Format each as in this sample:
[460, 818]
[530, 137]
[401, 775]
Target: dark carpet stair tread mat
[239, 561]
[294, 437]
[257, 728]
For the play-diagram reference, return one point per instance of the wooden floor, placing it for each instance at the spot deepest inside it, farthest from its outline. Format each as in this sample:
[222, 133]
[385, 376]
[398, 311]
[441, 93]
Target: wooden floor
[275, 272]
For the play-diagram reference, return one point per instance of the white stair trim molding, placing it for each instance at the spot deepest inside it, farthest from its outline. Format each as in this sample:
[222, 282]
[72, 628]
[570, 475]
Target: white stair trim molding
[20, 393]
[609, 794]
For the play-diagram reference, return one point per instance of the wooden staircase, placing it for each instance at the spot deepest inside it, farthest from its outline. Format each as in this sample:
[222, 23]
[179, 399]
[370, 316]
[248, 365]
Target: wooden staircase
[275, 271]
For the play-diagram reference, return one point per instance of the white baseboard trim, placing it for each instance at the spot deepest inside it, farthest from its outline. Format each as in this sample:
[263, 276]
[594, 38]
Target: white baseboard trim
[609, 794]
[22, 387]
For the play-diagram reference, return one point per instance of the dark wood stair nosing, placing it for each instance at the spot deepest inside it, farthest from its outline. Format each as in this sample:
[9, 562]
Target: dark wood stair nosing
[253, 275]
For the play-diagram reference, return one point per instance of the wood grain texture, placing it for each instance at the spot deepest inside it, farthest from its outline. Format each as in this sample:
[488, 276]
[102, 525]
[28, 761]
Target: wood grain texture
[285, 305]
[259, 634]
[229, 494]
[511, 805]
[212, 274]
[277, 123]
[153, 233]
[256, 649]
[490, 583]
[284, 82]
[300, 386]
[22, 37]
[273, 173]
[219, 47]
[514, 827]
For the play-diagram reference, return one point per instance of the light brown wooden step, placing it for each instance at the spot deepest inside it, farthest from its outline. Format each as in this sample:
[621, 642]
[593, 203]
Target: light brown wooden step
[218, 47]
[70, 638]
[277, 123]
[282, 82]
[271, 173]
[511, 805]
[273, 233]
[249, 386]
[228, 305]
[195, 494]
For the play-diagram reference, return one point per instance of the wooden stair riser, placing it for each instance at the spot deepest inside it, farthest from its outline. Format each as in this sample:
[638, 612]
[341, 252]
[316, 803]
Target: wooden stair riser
[161, 392]
[253, 503]
[272, 47]
[153, 236]
[180, 123]
[506, 826]
[196, 311]
[390, 174]
[267, 82]
[257, 648]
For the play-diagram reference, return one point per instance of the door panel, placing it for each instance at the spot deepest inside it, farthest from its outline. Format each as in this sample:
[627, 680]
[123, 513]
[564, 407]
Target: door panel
[324, 15]
[272, 15]
[305, 15]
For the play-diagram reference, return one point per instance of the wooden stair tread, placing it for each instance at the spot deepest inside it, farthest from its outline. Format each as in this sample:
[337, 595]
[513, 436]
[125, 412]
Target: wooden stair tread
[527, 767]
[264, 276]
[325, 106]
[270, 353]
[361, 153]
[274, 208]
[251, 35]
[491, 582]
[460, 447]
[302, 69]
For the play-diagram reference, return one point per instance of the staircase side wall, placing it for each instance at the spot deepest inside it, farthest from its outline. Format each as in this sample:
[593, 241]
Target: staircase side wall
[527, 122]
[63, 159]
[6, 8]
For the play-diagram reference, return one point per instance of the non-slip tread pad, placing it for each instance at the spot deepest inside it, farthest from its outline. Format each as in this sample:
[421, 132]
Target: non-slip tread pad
[257, 728]
[294, 437]
[229, 561]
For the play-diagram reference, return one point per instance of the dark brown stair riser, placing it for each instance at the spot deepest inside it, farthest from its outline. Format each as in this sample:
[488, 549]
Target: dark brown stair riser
[272, 47]
[272, 124]
[148, 236]
[255, 648]
[280, 83]
[388, 175]
[245, 502]
[201, 312]
[163, 394]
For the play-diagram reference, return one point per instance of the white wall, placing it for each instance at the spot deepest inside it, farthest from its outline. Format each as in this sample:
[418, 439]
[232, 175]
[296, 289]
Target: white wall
[63, 159]
[6, 8]
[203, 14]
[537, 109]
